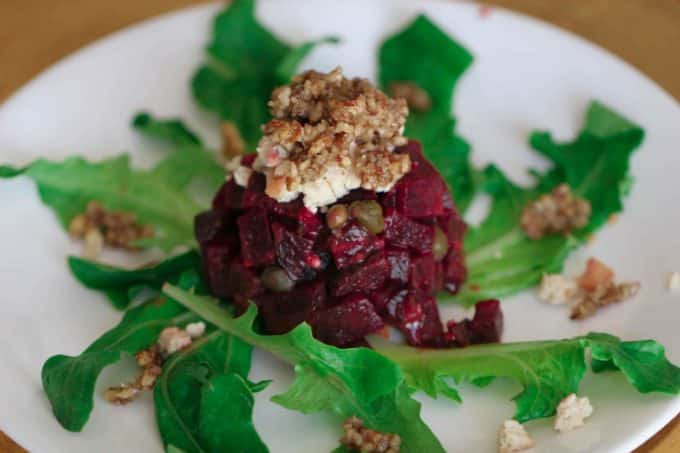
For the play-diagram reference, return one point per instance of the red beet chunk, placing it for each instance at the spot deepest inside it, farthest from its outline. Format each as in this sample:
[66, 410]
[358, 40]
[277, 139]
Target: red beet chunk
[419, 197]
[453, 226]
[424, 273]
[211, 225]
[352, 244]
[455, 271]
[382, 297]
[255, 197]
[230, 196]
[216, 257]
[402, 232]
[362, 278]
[487, 324]
[347, 322]
[257, 245]
[420, 166]
[281, 312]
[399, 262]
[248, 159]
[243, 284]
[357, 195]
[417, 316]
[458, 333]
[309, 224]
[294, 254]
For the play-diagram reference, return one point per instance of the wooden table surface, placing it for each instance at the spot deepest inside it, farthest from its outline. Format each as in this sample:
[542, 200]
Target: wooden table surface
[36, 33]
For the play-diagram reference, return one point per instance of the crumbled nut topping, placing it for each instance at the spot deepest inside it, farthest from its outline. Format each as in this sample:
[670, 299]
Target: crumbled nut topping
[331, 134]
[571, 413]
[173, 339]
[513, 438]
[416, 98]
[98, 226]
[150, 361]
[558, 212]
[592, 290]
[232, 141]
[365, 440]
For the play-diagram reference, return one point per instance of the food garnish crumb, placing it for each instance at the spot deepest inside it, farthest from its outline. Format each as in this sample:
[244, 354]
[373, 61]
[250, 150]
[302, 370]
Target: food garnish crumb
[674, 281]
[232, 141]
[593, 289]
[330, 135]
[557, 289]
[173, 339]
[116, 228]
[359, 438]
[571, 413]
[195, 329]
[150, 361]
[558, 212]
[416, 98]
[512, 437]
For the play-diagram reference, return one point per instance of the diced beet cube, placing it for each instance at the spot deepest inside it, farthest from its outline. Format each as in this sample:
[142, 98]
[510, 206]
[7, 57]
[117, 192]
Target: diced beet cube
[424, 273]
[230, 196]
[458, 333]
[432, 329]
[362, 278]
[294, 254]
[352, 244]
[309, 224]
[419, 197]
[248, 159]
[282, 311]
[358, 194]
[455, 271]
[255, 197]
[243, 284]
[487, 324]
[400, 231]
[420, 166]
[453, 226]
[257, 245]
[383, 296]
[347, 322]
[399, 262]
[447, 201]
[211, 225]
[216, 257]
[417, 316]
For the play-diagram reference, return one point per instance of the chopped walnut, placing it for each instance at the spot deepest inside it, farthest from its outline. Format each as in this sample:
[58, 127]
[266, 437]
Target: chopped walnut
[150, 361]
[571, 412]
[513, 438]
[114, 228]
[416, 98]
[365, 440]
[558, 212]
[330, 135]
[603, 295]
[557, 289]
[232, 141]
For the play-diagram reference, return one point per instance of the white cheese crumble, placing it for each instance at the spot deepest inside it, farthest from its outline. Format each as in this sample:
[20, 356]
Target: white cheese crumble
[173, 339]
[195, 329]
[556, 289]
[674, 281]
[242, 175]
[512, 437]
[571, 412]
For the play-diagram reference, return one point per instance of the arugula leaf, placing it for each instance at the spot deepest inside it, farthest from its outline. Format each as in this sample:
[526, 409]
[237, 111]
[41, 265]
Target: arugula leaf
[122, 285]
[158, 196]
[347, 382]
[501, 260]
[246, 62]
[441, 62]
[203, 402]
[547, 370]
[69, 381]
[171, 130]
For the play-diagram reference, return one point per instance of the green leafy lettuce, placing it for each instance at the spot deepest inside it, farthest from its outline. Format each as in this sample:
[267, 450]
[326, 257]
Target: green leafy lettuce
[440, 63]
[346, 382]
[172, 130]
[245, 63]
[547, 370]
[121, 286]
[501, 259]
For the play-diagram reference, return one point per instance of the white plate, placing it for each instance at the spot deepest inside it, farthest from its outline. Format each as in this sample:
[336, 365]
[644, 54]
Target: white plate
[526, 75]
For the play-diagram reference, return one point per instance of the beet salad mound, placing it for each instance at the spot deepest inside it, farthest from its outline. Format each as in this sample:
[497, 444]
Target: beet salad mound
[340, 221]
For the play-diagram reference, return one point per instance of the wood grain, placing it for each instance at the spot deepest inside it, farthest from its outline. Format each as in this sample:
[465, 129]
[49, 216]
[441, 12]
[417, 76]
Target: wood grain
[36, 33]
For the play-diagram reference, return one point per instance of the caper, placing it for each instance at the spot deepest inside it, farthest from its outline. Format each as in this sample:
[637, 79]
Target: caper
[369, 214]
[276, 279]
[440, 244]
[337, 216]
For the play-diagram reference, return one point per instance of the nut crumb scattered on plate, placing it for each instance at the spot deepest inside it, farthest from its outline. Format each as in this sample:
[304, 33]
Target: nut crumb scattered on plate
[571, 413]
[513, 438]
